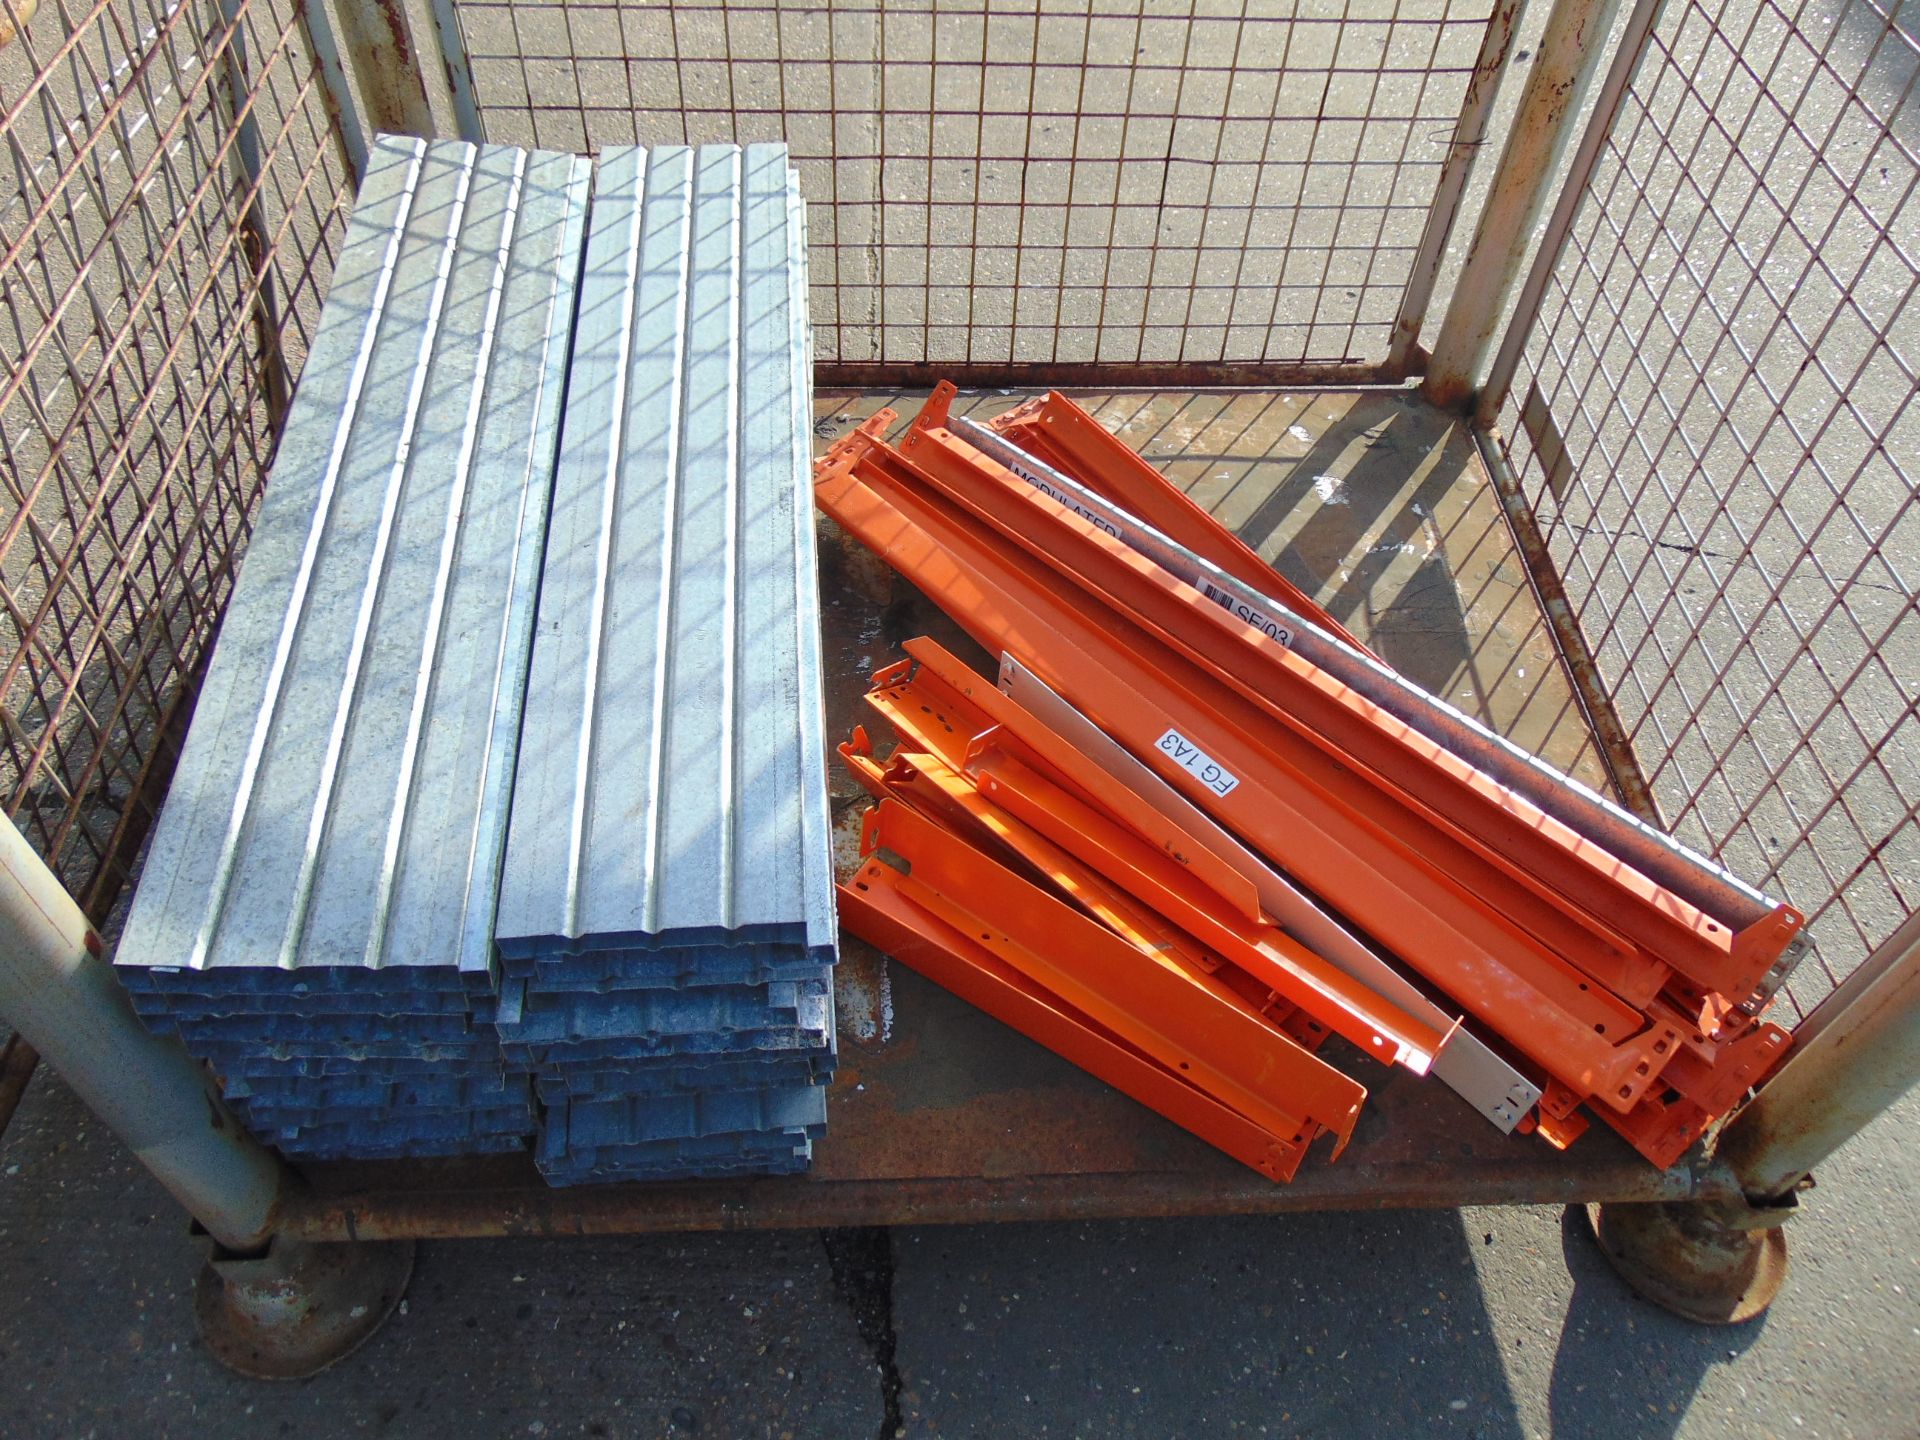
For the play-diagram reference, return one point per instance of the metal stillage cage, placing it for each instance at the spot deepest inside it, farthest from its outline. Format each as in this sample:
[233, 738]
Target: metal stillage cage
[1696, 395]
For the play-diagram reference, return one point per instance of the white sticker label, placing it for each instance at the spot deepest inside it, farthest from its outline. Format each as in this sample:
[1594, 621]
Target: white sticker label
[1260, 621]
[1204, 768]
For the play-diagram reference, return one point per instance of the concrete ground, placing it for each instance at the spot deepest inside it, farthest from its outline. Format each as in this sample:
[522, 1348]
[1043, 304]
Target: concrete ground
[1485, 1323]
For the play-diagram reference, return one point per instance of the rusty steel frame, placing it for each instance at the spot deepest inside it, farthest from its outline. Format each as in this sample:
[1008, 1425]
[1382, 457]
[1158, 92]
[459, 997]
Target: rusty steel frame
[1250, 197]
[1694, 421]
[480, 1204]
[155, 265]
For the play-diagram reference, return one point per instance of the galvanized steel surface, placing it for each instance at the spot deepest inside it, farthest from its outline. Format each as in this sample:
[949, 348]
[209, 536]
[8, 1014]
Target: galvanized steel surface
[672, 779]
[341, 798]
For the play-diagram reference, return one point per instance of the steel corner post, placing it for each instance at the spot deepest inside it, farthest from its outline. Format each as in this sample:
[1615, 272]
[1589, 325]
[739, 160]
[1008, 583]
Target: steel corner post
[1854, 1057]
[267, 1306]
[63, 999]
[1571, 52]
[408, 60]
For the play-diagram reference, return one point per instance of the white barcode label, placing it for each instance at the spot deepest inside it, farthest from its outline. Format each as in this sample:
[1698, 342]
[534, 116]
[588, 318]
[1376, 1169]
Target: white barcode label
[1202, 766]
[1260, 621]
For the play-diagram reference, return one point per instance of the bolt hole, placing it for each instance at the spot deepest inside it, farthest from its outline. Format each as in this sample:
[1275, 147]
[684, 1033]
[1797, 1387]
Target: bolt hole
[1184, 1065]
[1626, 1091]
[1583, 984]
[1599, 1029]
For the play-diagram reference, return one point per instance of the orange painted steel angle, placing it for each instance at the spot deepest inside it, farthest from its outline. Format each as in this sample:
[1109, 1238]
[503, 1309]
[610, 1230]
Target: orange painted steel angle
[929, 704]
[1382, 1031]
[1052, 536]
[1140, 692]
[1559, 883]
[1366, 830]
[927, 784]
[1060, 433]
[1150, 1002]
[934, 677]
[873, 908]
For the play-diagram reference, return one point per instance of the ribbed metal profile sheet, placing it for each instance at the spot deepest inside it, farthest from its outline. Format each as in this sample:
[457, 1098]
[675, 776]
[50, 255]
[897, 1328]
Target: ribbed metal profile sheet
[721, 1158]
[672, 779]
[689, 1075]
[667, 966]
[635, 1025]
[750, 1112]
[341, 799]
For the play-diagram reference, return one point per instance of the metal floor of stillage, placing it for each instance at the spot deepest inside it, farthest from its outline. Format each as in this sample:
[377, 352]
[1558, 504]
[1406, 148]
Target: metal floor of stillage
[1380, 507]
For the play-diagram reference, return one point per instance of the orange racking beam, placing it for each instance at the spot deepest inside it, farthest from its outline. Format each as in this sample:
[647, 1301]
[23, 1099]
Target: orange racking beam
[936, 677]
[1687, 1117]
[925, 783]
[1061, 434]
[930, 709]
[1140, 692]
[1380, 1030]
[873, 908]
[1641, 926]
[1759, 926]
[1145, 1000]
[1578, 935]
[1344, 805]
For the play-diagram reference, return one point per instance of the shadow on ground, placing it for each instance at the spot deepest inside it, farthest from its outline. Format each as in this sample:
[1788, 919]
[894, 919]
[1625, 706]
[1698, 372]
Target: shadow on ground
[1309, 1325]
[1590, 1393]
[1489, 1323]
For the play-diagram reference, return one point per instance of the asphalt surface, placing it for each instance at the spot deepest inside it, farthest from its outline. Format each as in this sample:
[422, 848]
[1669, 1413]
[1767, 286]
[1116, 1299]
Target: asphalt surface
[1483, 1323]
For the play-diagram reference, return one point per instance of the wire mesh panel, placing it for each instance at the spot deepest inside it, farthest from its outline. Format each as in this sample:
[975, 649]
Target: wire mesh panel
[1128, 182]
[1715, 422]
[168, 220]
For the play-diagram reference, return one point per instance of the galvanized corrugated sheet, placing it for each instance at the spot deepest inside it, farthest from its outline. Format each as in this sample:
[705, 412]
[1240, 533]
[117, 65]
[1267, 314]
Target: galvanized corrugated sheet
[342, 795]
[672, 778]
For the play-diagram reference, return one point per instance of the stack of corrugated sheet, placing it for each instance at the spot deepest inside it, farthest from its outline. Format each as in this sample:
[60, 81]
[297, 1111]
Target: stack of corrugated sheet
[315, 917]
[666, 917]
